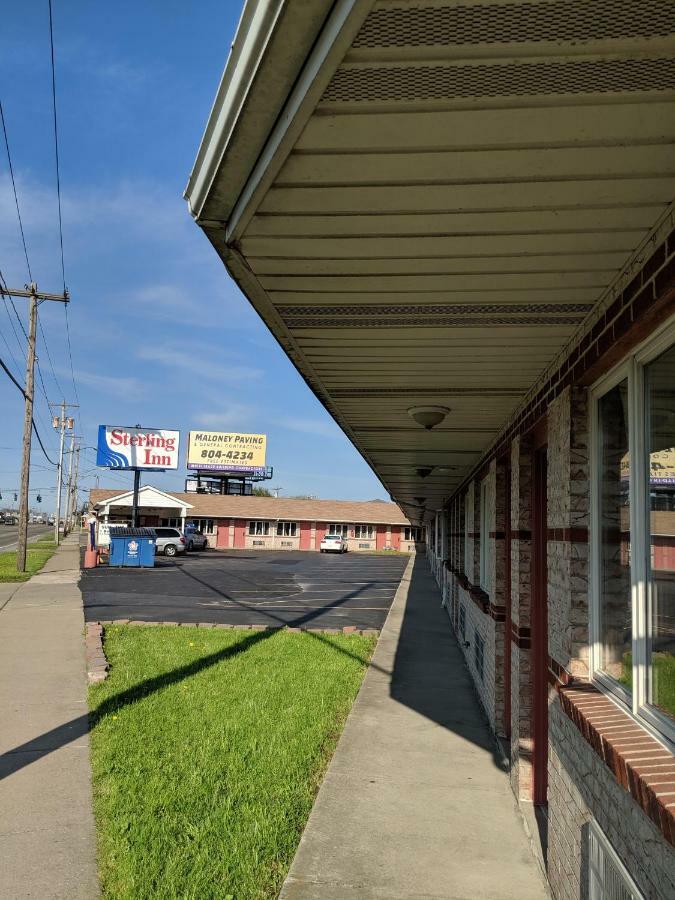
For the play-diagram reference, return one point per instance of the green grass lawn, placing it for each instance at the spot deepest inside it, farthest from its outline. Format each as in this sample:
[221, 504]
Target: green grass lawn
[35, 560]
[664, 679]
[208, 747]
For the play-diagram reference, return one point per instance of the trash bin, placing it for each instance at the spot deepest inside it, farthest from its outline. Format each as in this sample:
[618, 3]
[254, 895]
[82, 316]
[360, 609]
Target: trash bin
[132, 547]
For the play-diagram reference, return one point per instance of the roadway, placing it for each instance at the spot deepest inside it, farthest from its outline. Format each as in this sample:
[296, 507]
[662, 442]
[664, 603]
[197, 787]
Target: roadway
[9, 534]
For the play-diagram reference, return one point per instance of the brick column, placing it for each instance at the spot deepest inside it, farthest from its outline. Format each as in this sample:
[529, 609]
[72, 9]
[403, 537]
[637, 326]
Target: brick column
[521, 570]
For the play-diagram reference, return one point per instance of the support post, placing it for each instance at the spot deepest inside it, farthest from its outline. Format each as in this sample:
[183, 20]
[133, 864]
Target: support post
[27, 434]
[69, 488]
[59, 470]
[137, 486]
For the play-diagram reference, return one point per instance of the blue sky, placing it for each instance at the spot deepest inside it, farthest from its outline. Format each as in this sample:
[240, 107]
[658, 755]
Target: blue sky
[160, 335]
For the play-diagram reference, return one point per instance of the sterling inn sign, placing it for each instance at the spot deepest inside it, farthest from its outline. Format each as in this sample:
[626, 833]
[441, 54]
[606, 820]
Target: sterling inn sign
[120, 447]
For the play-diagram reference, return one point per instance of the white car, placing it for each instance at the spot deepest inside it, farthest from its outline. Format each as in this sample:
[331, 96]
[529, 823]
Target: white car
[334, 542]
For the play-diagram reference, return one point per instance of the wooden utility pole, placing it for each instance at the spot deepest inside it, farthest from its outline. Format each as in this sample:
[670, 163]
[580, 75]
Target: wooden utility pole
[69, 488]
[60, 422]
[34, 296]
[27, 434]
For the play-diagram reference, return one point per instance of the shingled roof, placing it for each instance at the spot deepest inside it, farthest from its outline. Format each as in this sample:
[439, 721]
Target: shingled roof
[374, 512]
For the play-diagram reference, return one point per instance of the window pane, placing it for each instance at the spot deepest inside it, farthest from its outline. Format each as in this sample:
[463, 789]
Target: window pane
[660, 420]
[615, 585]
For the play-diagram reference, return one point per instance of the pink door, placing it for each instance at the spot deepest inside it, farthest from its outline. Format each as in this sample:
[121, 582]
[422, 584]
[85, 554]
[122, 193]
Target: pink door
[381, 542]
[395, 537]
[320, 535]
[223, 538]
[239, 531]
[305, 536]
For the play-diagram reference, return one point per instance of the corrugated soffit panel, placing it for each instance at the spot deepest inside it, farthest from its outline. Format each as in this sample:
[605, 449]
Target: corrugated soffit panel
[475, 179]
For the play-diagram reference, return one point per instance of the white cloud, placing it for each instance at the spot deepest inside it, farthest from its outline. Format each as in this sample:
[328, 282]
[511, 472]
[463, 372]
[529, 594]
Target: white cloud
[238, 415]
[199, 361]
[309, 426]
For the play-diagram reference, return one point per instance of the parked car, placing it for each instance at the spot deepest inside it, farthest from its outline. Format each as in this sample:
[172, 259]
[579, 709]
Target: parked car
[170, 541]
[196, 539]
[333, 542]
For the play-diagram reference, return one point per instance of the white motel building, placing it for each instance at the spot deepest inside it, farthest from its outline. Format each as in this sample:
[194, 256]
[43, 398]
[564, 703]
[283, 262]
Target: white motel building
[458, 214]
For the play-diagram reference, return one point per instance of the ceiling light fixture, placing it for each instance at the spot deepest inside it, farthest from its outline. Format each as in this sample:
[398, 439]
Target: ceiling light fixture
[428, 416]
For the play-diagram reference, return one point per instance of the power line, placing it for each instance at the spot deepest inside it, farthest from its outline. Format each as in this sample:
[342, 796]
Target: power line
[58, 192]
[11, 173]
[37, 433]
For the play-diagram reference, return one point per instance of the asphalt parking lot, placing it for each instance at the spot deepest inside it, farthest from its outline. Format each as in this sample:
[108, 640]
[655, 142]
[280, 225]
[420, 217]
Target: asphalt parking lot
[249, 588]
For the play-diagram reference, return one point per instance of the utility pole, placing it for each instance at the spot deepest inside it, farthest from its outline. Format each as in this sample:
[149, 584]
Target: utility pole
[69, 489]
[60, 422]
[35, 297]
[71, 503]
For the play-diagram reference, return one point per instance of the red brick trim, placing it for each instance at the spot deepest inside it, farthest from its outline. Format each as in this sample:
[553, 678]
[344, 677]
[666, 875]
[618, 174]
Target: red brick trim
[477, 594]
[498, 613]
[557, 674]
[521, 534]
[641, 765]
[521, 636]
[576, 535]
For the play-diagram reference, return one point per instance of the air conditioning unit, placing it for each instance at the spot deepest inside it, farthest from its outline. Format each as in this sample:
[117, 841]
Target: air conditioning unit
[608, 878]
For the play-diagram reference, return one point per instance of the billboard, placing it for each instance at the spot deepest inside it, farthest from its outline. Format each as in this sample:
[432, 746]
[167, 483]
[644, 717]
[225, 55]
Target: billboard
[226, 451]
[121, 447]
[661, 467]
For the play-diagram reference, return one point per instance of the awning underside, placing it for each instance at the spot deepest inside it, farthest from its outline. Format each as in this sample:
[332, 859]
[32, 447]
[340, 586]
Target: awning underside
[473, 181]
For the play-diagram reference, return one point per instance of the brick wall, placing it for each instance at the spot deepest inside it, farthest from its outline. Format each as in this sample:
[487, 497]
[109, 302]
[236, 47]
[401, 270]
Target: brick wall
[581, 786]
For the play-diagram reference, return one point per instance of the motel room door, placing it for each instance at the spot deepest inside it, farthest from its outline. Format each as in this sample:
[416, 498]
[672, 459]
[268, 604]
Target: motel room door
[539, 623]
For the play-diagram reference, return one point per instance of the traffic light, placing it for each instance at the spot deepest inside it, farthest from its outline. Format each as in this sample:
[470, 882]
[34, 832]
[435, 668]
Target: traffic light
[39, 498]
[16, 497]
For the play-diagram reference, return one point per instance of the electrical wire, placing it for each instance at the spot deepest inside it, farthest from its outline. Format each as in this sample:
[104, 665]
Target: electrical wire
[11, 174]
[58, 194]
[37, 433]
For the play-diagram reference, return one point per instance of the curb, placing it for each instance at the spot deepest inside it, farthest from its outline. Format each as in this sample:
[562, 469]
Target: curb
[98, 666]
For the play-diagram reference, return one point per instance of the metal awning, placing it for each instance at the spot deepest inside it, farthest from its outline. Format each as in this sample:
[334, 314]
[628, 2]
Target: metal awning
[438, 197]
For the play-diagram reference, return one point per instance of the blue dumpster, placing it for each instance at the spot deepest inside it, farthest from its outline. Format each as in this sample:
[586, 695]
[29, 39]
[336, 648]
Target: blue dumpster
[132, 546]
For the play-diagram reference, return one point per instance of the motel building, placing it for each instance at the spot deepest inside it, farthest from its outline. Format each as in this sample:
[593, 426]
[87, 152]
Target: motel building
[264, 523]
[456, 218]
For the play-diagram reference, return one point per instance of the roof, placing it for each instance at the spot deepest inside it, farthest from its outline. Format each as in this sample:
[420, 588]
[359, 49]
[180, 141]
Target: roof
[375, 512]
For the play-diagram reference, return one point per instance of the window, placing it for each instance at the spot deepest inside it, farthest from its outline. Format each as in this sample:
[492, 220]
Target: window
[468, 528]
[607, 875]
[479, 655]
[412, 533]
[342, 530]
[206, 526]
[364, 531]
[633, 532]
[258, 528]
[462, 622]
[172, 522]
[286, 529]
[484, 546]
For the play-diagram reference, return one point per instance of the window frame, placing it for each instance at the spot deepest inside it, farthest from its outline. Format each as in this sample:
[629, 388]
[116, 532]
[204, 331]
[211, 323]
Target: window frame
[341, 528]
[287, 529]
[632, 369]
[263, 531]
[370, 534]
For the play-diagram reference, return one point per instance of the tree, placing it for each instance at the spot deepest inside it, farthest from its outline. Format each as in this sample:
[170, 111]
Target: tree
[261, 492]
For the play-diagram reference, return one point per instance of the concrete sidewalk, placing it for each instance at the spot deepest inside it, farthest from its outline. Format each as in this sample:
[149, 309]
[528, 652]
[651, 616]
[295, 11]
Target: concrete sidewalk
[47, 841]
[415, 803]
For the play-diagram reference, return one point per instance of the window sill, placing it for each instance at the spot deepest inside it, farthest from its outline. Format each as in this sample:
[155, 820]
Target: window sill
[643, 766]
